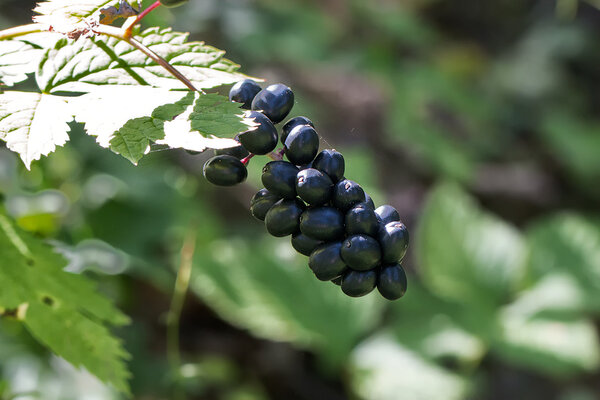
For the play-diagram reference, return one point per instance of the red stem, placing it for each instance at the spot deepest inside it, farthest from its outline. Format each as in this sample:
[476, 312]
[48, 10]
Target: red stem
[146, 12]
[247, 159]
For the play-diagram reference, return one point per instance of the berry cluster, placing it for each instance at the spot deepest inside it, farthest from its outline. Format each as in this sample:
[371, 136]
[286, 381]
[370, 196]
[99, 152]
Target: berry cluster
[331, 219]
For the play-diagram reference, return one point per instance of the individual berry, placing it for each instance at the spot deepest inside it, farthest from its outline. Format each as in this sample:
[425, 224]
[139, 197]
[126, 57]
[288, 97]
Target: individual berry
[362, 219]
[261, 139]
[275, 101]
[393, 239]
[244, 92]
[302, 145]
[322, 223]
[361, 252]
[291, 124]
[392, 282]
[284, 217]
[387, 213]
[347, 193]
[359, 283]
[337, 281]
[262, 201]
[279, 177]
[325, 261]
[369, 201]
[225, 171]
[238, 152]
[313, 186]
[330, 162]
[173, 3]
[304, 244]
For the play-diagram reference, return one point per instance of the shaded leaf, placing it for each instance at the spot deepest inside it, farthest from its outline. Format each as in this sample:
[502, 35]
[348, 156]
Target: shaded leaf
[61, 310]
[33, 124]
[465, 254]
[215, 115]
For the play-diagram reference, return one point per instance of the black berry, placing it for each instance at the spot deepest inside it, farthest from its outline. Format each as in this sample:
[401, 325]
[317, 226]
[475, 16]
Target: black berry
[225, 171]
[361, 252]
[387, 214]
[369, 201]
[322, 223]
[330, 162]
[359, 283]
[291, 124]
[262, 201]
[238, 152]
[275, 101]
[261, 139]
[392, 282]
[313, 186]
[362, 219]
[284, 217]
[304, 244]
[279, 177]
[325, 261]
[393, 238]
[346, 194]
[337, 281]
[302, 145]
[244, 92]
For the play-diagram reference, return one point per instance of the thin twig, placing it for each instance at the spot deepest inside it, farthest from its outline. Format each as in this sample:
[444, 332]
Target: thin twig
[129, 25]
[173, 318]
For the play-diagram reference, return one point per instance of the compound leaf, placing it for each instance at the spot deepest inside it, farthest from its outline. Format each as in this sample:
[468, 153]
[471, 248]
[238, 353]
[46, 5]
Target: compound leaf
[85, 64]
[33, 124]
[61, 310]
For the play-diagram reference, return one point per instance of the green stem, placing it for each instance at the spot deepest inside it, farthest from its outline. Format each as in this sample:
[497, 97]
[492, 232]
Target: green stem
[23, 30]
[174, 316]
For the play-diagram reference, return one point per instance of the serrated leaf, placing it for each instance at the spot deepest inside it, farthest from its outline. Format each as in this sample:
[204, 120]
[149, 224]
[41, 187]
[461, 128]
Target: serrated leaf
[33, 124]
[215, 115]
[85, 64]
[66, 15]
[61, 310]
[17, 59]
[382, 369]
[467, 255]
[266, 288]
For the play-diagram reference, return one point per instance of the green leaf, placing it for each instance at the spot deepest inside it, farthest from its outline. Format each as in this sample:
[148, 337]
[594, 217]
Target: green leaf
[85, 64]
[17, 59]
[33, 124]
[382, 369]
[265, 287]
[217, 116]
[568, 244]
[465, 254]
[61, 310]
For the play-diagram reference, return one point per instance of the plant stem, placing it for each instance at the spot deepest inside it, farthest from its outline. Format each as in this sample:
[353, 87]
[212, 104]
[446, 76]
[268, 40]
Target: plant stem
[173, 318]
[141, 15]
[247, 159]
[23, 30]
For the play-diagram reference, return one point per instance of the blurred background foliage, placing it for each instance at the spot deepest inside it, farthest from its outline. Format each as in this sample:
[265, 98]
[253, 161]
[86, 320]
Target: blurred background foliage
[477, 120]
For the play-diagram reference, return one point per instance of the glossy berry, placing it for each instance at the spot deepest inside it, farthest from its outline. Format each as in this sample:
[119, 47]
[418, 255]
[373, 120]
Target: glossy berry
[387, 213]
[275, 101]
[392, 282]
[337, 281]
[362, 219]
[291, 124]
[361, 252]
[369, 201]
[173, 3]
[322, 223]
[330, 162]
[393, 239]
[244, 92]
[225, 171]
[301, 145]
[359, 283]
[262, 201]
[346, 194]
[279, 177]
[304, 244]
[284, 217]
[261, 139]
[238, 152]
[313, 186]
[325, 261]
